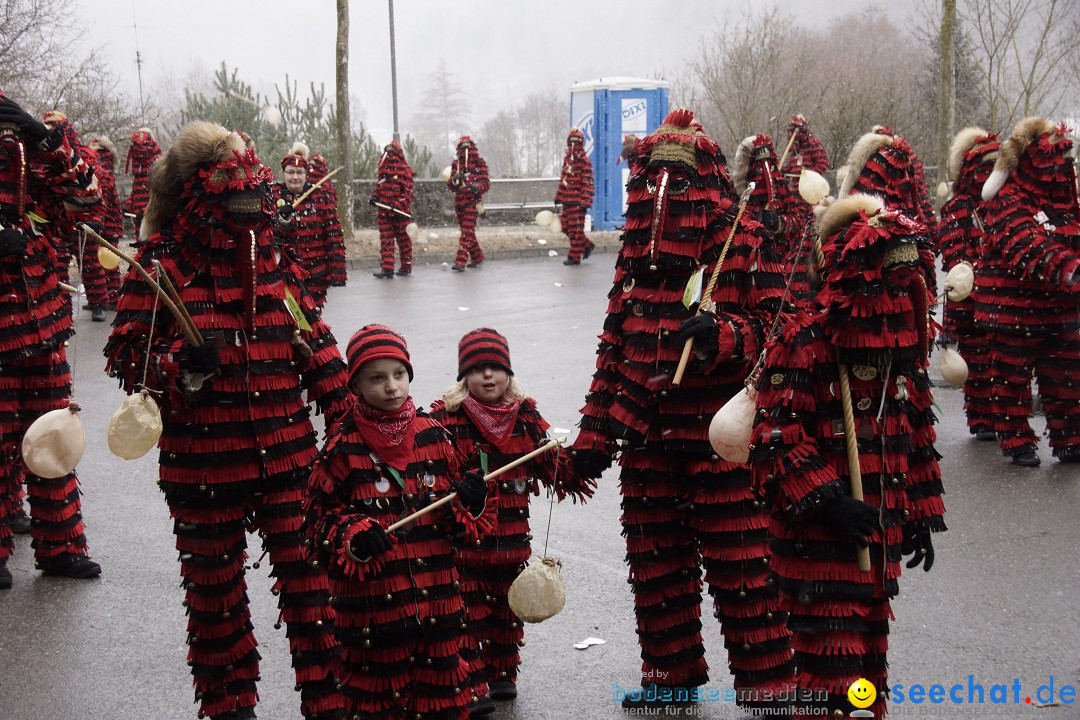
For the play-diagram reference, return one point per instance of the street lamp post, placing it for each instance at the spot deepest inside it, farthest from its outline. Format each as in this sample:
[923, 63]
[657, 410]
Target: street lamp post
[393, 72]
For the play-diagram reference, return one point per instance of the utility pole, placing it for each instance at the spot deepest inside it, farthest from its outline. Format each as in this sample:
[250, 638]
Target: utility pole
[946, 86]
[138, 60]
[344, 126]
[393, 72]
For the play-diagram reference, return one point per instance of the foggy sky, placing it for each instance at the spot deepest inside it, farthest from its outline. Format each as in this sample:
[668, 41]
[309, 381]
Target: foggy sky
[498, 51]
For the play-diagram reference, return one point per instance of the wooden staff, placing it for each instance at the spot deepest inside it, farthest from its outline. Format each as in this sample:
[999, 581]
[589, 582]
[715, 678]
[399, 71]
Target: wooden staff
[862, 554]
[790, 142]
[171, 289]
[67, 288]
[493, 474]
[399, 212]
[707, 293]
[315, 187]
[191, 333]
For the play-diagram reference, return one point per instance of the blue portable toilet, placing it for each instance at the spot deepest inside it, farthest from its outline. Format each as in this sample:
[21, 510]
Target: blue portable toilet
[605, 110]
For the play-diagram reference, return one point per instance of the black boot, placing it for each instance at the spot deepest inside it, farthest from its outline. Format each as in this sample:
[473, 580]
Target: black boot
[484, 706]
[503, 690]
[477, 264]
[383, 274]
[985, 434]
[97, 313]
[1028, 458]
[19, 522]
[457, 268]
[568, 261]
[78, 567]
[588, 250]
[405, 271]
[5, 577]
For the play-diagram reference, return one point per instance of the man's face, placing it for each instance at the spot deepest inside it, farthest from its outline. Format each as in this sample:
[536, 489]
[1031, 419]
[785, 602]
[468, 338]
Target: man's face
[295, 177]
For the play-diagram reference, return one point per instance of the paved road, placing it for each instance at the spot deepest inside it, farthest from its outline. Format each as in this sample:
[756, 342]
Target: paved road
[1000, 604]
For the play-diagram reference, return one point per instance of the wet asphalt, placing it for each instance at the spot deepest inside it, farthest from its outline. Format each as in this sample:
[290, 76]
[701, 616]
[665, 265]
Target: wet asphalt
[1001, 603]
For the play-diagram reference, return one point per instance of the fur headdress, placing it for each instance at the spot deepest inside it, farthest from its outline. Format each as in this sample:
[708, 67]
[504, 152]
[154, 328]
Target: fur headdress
[102, 142]
[1026, 132]
[199, 148]
[754, 147]
[865, 148]
[297, 156]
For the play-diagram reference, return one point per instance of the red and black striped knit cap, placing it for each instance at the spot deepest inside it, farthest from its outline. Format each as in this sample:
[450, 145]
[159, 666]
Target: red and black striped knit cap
[483, 346]
[376, 342]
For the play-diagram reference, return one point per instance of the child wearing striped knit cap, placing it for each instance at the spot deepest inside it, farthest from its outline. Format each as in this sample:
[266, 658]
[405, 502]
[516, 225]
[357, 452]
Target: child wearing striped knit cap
[397, 598]
[493, 423]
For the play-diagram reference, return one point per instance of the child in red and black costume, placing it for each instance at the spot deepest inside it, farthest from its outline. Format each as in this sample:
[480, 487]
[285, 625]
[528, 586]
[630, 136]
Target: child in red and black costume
[142, 153]
[36, 163]
[575, 193]
[870, 323]
[493, 423]
[469, 182]
[396, 596]
[1027, 290]
[392, 198]
[237, 437]
[959, 236]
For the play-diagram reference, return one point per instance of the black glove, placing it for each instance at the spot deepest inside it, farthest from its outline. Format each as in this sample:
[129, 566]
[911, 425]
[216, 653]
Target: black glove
[456, 180]
[917, 542]
[370, 543]
[12, 242]
[372, 201]
[472, 491]
[703, 330]
[769, 219]
[590, 463]
[855, 517]
[35, 130]
[204, 359]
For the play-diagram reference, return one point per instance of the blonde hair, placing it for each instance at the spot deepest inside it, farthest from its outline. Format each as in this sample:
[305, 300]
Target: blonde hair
[460, 390]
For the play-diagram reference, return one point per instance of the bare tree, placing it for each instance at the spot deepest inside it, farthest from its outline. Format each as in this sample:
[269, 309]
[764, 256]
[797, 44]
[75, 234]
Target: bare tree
[946, 86]
[1027, 53]
[41, 69]
[443, 116]
[344, 131]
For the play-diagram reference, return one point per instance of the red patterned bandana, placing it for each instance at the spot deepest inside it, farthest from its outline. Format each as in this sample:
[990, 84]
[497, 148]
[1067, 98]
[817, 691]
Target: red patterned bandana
[494, 421]
[390, 435]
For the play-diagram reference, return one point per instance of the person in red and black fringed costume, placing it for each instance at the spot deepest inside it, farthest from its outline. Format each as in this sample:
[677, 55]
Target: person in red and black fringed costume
[396, 596]
[307, 235]
[774, 202]
[237, 438]
[575, 194]
[141, 154]
[959, 236]
[806, 150]
[112, 225]
[871, 323]
[493, 422]
[469, 182]
[683, 507]
[326, 203]
[392, 198]
[1028, 289]
[35, 325]
[882, 164]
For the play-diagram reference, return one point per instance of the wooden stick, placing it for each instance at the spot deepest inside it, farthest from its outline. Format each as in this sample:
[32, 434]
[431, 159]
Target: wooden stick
[854, 468]
[790, 142]
[708, 291]
[387, 207]
[191, 333]
[67, 288]
[315, 187]
[493, 474]
[171, 289]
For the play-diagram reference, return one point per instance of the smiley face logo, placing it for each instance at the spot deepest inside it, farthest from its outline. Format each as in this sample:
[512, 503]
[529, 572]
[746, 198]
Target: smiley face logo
[862, 693]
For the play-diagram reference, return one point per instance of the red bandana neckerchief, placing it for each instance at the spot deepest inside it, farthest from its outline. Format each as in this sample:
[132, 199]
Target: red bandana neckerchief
[494, 421]
[390, 435]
